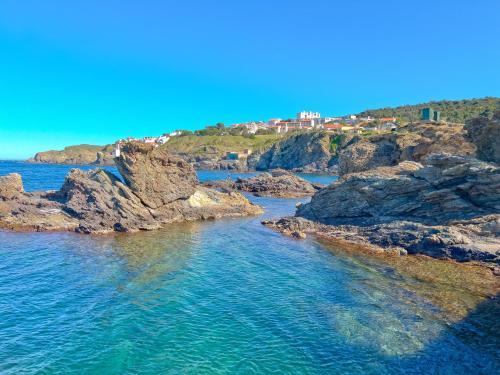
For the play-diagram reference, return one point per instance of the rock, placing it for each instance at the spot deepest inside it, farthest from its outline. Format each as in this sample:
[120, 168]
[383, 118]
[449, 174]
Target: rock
[79, 154]
[307, 152]
[447, 187]
[160, 189]
[10, 186]
[155, 176]
[466, 240]
[102, 203]
[485, 134]
[413, 142]
[447, 207]
[279, 183]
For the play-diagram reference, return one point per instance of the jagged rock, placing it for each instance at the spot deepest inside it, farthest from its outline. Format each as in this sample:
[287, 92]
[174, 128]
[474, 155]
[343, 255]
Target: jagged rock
[98, 202]
[155, 176]
[278, 183]
[485, 134]
[102, 203]
[413, 142]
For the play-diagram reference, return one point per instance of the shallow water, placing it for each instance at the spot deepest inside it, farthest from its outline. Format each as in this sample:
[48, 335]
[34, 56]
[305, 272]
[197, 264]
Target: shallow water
[231, 296]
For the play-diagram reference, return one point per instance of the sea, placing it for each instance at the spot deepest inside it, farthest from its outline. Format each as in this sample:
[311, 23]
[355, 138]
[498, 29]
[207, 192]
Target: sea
[231, 296]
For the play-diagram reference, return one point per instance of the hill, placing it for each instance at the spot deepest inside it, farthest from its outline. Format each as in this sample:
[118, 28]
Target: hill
[457, 111]
[218, 145]
[79, 154]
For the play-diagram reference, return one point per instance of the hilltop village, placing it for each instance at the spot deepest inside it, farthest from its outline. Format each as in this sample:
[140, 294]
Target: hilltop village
[304, 121]
[309, 142]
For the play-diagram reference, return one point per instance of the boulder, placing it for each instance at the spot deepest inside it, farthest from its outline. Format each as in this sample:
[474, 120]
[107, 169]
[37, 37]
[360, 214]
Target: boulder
[155, 176]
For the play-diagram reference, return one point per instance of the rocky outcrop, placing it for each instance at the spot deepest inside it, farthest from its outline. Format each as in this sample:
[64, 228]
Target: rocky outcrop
[155, 176]
[485, 134]
[278, 183]
[412, 142]
[304, 152]
[446, 187]
[158, 189]
[77, 155]
[10, 186]
[449, 206]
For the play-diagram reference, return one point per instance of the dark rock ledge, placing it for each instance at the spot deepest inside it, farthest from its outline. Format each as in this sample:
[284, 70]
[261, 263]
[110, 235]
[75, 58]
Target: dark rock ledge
[277, 183]
[158, 189]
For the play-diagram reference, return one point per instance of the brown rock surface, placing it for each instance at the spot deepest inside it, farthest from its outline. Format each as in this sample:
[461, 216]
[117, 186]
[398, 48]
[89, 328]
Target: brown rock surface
[412, 142]
[161, 191]
[485, 134]
[155, 176]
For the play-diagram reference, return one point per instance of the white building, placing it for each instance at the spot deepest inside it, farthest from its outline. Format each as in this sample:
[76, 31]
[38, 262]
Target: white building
[304, 115]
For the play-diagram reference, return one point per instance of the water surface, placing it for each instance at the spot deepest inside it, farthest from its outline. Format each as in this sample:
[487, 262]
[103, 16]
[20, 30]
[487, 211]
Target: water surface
[231, 296]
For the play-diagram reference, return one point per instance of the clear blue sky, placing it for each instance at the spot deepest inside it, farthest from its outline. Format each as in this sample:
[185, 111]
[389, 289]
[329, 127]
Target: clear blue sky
[92, 71]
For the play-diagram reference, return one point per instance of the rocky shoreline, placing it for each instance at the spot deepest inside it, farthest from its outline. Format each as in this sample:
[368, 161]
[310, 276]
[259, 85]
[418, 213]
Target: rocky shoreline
[159, 189]
[446, 206]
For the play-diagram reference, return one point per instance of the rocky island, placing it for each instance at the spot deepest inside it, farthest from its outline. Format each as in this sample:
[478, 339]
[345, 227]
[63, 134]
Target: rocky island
[157, 189]
[403, 196]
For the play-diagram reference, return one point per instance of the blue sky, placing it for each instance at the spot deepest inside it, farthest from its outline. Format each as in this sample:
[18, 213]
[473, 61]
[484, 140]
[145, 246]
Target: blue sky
[93, 71]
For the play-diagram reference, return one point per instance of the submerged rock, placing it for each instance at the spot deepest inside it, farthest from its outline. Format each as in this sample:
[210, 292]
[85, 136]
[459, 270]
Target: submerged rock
[158, 189]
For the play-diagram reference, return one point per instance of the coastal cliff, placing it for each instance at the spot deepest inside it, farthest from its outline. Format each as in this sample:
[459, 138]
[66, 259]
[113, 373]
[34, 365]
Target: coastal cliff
[412, 142]
[444, 206]
[159, 189]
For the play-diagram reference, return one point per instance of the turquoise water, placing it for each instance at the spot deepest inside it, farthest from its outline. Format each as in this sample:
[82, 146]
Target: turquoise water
[229, 296]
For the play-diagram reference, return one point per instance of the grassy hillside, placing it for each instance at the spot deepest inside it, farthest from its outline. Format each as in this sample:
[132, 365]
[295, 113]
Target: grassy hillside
[451, 110]
[218, 145]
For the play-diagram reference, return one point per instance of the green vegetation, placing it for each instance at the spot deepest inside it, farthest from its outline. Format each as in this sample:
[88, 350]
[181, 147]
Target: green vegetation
[457, 111]
[219, 145]
[335, 143]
